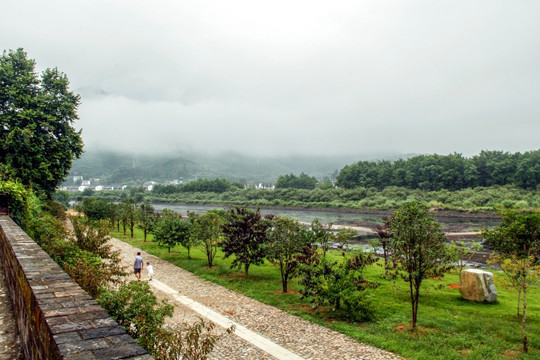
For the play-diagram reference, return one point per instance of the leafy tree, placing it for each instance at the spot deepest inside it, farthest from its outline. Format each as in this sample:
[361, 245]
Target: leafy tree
[188, 342]
[129, 214]
[517, 239]
[171, 230]
[145, 217]
[302, 181]
[245, 237]
[94, 209]
[340, 285]
[207, 230]
[418, 248]
[62, 197]
[462, 253]
[286, 238]
[321, 235]
[342, 238]
[135, 307]
[384, 241]
[37, 140]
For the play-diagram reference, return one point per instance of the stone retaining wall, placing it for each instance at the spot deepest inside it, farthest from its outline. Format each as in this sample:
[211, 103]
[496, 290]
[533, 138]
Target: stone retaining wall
[57, 319]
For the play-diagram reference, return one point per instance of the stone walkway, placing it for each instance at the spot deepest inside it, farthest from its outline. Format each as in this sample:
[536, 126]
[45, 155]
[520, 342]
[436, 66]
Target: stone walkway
[264, 332]
[10, 347]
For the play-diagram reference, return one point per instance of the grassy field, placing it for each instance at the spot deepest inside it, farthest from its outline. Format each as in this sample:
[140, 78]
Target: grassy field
[448, 326]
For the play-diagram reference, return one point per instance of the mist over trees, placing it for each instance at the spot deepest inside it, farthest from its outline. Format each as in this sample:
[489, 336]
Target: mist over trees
[451, 172]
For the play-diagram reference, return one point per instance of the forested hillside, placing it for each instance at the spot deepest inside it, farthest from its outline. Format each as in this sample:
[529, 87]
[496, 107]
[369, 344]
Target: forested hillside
[115, 168]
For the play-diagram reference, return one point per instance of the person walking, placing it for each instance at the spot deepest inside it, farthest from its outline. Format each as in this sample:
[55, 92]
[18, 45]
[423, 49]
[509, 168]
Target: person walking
[150, 270]
[138, 266]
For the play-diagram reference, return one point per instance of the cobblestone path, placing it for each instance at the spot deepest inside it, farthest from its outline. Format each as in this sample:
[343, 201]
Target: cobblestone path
[10, 348]
[298, 338]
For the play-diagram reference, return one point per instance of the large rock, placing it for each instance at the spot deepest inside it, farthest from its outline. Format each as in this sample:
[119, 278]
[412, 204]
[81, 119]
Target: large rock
[477, 285]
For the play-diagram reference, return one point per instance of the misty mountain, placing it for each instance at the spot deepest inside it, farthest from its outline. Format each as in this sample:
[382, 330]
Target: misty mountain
[121, 168]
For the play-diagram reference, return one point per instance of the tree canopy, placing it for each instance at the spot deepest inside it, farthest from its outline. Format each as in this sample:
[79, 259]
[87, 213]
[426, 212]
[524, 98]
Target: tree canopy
[301, 181]
[37, 139]
[451, 172]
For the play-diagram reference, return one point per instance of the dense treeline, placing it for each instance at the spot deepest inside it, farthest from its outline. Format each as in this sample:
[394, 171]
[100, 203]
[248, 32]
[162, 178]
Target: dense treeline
[202, 185]
[481, 198]
[292, 181]
[452, 172]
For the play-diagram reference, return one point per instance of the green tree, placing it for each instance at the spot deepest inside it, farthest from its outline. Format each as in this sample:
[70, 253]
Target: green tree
[321, 235]
[145, 217]
[171, 230]
[245, 237]
[341, 285]
[207, 230]
[517, 239]
[135, 307]
[37, 139]
[302, 181]
[384, 241]
[418, 248]
[286, 238]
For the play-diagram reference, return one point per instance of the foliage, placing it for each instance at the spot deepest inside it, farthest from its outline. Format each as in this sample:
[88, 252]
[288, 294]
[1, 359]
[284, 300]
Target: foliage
[171, 230]
[145, 217]
[207, 230]
[188, 342]
[128, 214]
[321, 234]
[451, 172]
[95, 209]
[513, 269]
[517, 239]
[201, 185]
[245, 237]
[93, 263]
[135, 307]
[461, 253]
[385, 238]
[37, 140]
[418, 248]
[340, 285]
[302, 181]
[19, 200]
[286, 238]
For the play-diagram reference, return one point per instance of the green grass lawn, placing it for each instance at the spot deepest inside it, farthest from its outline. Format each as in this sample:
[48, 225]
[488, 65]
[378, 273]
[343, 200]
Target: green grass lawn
[448, 326]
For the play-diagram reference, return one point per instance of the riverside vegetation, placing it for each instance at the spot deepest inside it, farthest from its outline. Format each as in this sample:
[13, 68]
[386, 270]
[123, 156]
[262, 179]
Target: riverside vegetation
[349, 292]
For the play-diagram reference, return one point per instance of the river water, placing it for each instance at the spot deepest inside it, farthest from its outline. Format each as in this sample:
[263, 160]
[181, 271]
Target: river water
[342, 217]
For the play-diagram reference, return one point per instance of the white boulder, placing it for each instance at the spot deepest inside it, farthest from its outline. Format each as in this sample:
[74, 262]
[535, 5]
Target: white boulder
[477, 285]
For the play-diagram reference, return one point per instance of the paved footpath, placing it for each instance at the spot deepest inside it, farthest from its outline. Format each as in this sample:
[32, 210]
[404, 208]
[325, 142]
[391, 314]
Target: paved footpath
[262, 331]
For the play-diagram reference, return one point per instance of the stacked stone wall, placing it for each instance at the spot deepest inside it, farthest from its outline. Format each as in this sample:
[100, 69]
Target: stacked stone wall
[56, 318]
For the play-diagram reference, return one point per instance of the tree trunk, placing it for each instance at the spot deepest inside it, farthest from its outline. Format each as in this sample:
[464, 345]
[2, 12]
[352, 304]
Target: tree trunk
[246, 268]
[525, 345]
[412, 302]
[145, 232]
[519, 302]
[283, 278]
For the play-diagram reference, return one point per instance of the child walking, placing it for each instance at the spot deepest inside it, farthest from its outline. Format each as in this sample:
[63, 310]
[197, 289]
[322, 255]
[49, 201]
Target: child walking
[150, 270]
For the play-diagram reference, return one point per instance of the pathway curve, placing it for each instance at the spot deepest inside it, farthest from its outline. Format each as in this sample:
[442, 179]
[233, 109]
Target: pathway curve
[264, 332]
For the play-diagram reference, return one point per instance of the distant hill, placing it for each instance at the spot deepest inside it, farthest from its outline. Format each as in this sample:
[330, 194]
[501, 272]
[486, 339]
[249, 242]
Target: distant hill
[132, 169]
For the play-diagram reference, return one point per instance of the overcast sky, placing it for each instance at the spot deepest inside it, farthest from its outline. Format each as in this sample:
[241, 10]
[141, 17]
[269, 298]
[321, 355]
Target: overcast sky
[293, 77]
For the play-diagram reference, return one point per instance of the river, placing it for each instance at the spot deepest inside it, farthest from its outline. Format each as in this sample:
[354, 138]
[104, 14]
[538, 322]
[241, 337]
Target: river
[342, 217]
